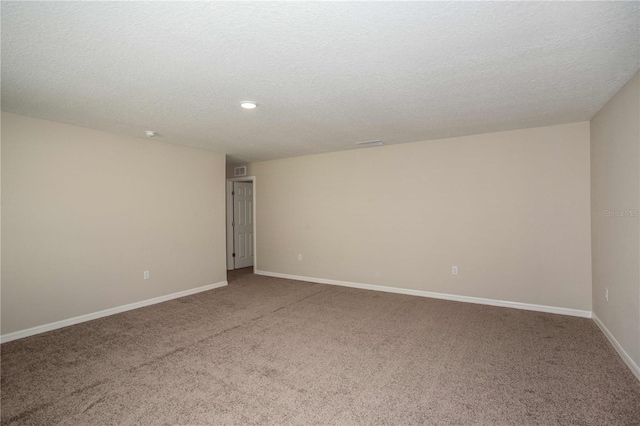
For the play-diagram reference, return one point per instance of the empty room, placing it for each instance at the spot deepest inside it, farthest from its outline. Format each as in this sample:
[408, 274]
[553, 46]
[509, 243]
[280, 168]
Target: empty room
[331, 213]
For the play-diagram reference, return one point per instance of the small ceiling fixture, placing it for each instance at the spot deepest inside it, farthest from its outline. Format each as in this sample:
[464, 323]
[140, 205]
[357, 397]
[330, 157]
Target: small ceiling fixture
[248, 104]
[150, 133]
[369, 143]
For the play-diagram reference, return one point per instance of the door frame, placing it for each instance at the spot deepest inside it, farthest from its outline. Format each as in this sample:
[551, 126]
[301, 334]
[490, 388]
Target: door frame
[229, 221]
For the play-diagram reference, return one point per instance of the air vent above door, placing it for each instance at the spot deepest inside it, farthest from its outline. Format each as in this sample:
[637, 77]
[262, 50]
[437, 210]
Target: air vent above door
[240, 171]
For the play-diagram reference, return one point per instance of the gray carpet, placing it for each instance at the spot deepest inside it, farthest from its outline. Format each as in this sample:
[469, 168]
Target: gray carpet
[274, 351]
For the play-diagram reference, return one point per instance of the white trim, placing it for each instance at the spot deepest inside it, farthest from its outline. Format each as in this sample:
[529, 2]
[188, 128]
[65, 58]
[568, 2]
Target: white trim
[445, 296]
[623, 354]
[112, 311]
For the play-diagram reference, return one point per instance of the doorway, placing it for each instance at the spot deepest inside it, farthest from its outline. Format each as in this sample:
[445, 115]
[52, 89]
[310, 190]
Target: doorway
[241, 223]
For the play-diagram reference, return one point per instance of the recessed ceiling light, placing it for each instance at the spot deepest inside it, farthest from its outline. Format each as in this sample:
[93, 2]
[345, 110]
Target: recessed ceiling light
[369, 143]
[150, 133]
[248, 104]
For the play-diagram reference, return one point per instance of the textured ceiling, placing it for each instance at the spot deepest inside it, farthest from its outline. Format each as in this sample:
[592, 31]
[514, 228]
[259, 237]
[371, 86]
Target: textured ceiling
[326, 75]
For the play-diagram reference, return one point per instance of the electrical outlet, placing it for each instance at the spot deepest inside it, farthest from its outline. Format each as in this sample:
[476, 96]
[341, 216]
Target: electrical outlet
[300, 257]
[606, 294]
[146, 275]
[454, 270]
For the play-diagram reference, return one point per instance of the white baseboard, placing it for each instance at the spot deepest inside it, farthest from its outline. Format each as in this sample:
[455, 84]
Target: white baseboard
[112, 311]
[445, 296]
[623, 354]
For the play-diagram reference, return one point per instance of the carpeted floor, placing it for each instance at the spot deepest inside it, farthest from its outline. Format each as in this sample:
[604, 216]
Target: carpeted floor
[274, 351]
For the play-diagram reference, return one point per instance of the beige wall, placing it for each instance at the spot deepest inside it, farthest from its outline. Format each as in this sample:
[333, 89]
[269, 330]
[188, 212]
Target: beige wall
[85, 212]
[510, 209]
[615, 196]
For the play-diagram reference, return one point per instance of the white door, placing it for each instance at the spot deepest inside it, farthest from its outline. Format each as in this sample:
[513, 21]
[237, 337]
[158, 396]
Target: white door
[242, 224]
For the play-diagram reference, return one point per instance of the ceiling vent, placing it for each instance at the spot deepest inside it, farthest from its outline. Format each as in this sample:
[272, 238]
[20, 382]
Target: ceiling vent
[240, 171]
[369, 143]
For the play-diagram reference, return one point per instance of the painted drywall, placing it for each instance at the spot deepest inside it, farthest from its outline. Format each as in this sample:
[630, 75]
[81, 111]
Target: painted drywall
[85, 212]
[615, 224]
[510, 209]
